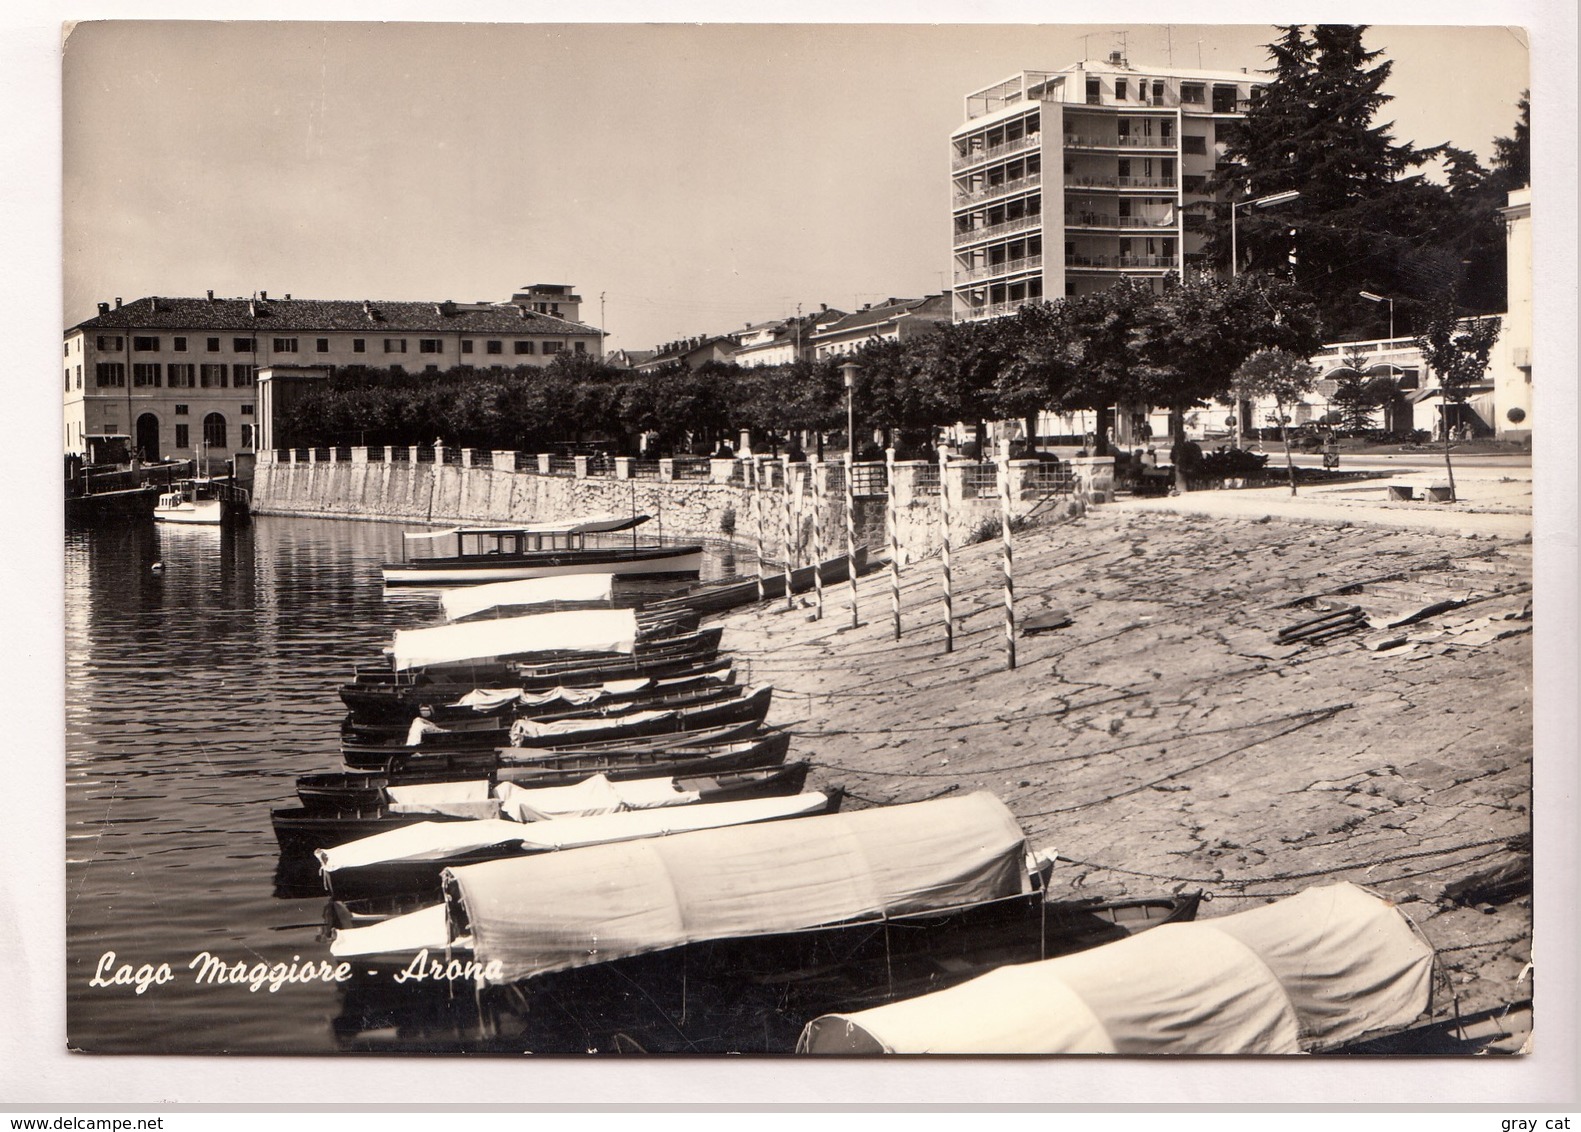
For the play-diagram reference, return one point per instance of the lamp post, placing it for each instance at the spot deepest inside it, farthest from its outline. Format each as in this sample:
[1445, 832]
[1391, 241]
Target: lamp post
[1371, 298]
[849, 371]
[1258, 202]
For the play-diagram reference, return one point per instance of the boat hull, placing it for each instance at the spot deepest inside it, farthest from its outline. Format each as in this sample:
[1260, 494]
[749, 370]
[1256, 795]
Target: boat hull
[206, 512]
[622, 562]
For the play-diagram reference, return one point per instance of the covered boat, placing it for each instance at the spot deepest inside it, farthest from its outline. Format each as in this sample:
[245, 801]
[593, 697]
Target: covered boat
[576, 630]
[409, 859]
[1313, 972]
[560, 589]
[505, 553]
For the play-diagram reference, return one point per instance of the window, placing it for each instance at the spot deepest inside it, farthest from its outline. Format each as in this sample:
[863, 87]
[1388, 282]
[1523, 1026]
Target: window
[181, 410]
[213, 345]
[395, 345]
[285, 345]
[242, 375]
[145, 342]
[430, 346]
[212, 377]
[1120, 86]
[1094, 92]
[1193, 143]
[181, 375]
[179, 345]
[243, 345]
[580, 347]
[181, 437]
[247, 436]
[553, 347]
[321, 345]
[247, 410]
[79, 377]
[359, 345]
[494, 347]
[466, 346]
[1191, 93]
[1192, 184]
[109, 342]
[1167, 168]
[523, 347]
[430, 369]
[68, 379]
[1158, 92]
[1224, 98]
[214, 431]
[110, 373]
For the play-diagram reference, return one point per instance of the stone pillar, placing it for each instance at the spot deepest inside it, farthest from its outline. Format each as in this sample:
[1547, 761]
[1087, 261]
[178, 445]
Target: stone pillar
[1095, 475]
[543, 463]
[623, 467]
[580, 463]
[359, 455]
[903, 479]
[469, 458]
[745, 447]
[720, 471]
[956, 473]
[505, 460]
[439, 455]
[666, 470]
[411, 453]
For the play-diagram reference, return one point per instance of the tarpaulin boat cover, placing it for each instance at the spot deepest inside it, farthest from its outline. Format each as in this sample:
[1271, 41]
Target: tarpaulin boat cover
[464, 799]
[572, 630]
[595, 795]
[438, 840]
[527, 591]
[548, 913]
[589, 525]
[1311, 972]
[524, 729]
[426, 927]
[485, 698]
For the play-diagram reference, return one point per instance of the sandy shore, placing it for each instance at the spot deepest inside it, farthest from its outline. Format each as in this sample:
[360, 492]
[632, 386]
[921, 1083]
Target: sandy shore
[1164, 740]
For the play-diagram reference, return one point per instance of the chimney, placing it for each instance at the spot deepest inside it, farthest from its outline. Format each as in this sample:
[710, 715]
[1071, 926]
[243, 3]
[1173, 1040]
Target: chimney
[104, 308]
[211, 295]
[117, 302]
[288, 296]
[263, 296]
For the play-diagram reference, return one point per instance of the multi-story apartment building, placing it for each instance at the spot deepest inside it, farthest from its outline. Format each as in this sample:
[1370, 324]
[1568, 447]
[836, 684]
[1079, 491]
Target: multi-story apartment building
[179, 375]
[1064, 181]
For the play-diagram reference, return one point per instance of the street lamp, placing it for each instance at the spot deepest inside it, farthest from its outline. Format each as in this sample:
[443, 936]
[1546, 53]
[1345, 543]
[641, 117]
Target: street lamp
[1259, 202]
[1371, 298]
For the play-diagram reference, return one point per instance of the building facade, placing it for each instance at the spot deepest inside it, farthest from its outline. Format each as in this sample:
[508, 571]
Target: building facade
[1511, 363]
[1063, 181]
[179, 375]
[782, 341]
[893, 320]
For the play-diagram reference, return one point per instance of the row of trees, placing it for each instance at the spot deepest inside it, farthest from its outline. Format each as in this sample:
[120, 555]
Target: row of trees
[1368, 217]
[1178, 348]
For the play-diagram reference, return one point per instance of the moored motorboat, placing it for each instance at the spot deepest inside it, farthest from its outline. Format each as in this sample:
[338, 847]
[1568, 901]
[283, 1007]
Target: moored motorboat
[506, 553]
[205, 502]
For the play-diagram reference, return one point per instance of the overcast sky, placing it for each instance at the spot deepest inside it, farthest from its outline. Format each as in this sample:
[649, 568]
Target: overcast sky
[695, 177]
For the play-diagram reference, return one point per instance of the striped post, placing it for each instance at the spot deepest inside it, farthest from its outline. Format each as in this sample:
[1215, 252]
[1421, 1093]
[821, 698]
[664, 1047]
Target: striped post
[785, 495]
[757, 519]
[892, 521]
[850, 530]
[944, 523]
[816, 470]
[1009, 558]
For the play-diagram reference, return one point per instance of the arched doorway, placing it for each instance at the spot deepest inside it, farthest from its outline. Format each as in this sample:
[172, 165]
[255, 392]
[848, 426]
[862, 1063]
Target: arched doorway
[214, 431]
[146, 437]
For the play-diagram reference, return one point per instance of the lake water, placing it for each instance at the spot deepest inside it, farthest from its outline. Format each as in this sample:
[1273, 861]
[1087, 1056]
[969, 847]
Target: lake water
[195, 695]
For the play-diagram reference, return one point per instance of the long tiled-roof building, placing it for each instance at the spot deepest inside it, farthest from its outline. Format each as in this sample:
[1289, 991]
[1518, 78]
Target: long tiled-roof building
[179, 375]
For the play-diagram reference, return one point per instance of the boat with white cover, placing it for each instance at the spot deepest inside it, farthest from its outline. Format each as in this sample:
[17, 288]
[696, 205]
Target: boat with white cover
[506, 553]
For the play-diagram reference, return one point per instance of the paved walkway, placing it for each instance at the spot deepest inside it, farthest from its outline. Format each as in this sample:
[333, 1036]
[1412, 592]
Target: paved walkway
[1491, 503]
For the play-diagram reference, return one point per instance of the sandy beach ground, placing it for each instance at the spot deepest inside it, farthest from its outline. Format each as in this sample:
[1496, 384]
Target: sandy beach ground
[1165, 739]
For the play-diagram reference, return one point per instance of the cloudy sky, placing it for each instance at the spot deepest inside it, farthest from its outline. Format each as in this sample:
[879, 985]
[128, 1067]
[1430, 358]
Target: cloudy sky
[686, 179]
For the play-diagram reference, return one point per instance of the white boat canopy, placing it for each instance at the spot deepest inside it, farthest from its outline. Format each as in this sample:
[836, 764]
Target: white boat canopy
[591, 525]
[557, 911]
[595, 795]
[573, 630]
[1308, 973]
[527, 591]
[437, 840]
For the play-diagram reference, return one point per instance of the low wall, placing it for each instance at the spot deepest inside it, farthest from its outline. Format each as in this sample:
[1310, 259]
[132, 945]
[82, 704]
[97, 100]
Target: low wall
[686, 499]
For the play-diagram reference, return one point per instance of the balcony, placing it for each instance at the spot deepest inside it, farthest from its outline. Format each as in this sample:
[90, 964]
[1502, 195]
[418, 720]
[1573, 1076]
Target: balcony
[1089, 141]
[1121, 262]
[1099, 181]
[1104, 220]
[992, 310]
[1018, 145]
[1008, 267]
[1004, 188]
[1020, 224]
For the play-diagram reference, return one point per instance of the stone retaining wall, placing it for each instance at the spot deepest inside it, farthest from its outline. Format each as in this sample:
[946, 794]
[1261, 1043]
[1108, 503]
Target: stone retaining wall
[487, 487]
